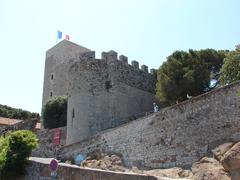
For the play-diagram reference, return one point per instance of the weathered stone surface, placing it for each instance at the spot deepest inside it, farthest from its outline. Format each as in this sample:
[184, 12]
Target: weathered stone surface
[56, 66]
[210, 169]
[99, 160]
[219, 151]
[104, 94]
[46, 147]
[231, 159]
[170, 173]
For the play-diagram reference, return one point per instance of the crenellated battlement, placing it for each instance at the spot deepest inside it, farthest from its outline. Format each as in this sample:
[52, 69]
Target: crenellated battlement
[113, 56]
[117, 69]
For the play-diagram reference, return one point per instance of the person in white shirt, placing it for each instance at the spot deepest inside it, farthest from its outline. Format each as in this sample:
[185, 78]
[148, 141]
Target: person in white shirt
[155, 107]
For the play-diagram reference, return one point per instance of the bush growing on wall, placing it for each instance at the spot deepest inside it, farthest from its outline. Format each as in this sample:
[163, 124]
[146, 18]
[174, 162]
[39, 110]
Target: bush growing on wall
[14, 149]
[54, 113]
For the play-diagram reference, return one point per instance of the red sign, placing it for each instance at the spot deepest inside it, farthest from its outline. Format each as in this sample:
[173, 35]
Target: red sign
[56, 136]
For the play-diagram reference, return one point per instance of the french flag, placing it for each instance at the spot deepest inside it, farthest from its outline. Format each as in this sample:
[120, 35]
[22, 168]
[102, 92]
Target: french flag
[60, 36]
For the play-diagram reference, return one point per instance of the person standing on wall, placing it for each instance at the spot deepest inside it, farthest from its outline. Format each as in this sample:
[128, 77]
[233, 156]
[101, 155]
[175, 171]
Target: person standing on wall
[155, 107]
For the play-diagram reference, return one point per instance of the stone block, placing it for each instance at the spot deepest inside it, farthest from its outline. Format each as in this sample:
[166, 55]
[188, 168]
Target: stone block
[144, 68]
[135, 64]
[123, 59]
[152, 71]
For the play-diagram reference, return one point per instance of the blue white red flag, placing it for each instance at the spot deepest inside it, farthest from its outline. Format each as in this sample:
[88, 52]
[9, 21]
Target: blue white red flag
[67, 37]
[59, 34]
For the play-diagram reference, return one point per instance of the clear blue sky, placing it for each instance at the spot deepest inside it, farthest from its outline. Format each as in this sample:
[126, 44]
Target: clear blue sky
[144, 30]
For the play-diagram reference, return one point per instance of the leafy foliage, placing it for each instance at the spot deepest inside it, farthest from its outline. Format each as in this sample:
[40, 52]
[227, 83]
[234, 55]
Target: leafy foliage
[191, 72]
[54, 113]
[15, 148]
[183, 73]
[214, 60]
[9, 112]
[230, 70]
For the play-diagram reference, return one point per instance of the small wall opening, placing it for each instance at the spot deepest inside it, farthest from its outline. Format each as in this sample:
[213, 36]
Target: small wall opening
[108, 85]
[52, 76]
[73, 113]
[51, 94]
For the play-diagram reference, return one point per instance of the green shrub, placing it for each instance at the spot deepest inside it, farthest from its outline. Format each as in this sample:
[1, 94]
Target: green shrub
[54, 113]
[14, 149]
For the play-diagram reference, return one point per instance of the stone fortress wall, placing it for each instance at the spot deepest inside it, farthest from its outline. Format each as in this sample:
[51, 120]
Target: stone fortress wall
[176, 136]
[102, 93]
[46, 146]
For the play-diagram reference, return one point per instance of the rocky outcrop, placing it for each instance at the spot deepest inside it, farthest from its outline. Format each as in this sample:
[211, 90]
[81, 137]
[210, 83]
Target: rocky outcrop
[209, 168]
[231, 159]
[219, 151]
[175, 173]
[105, 162]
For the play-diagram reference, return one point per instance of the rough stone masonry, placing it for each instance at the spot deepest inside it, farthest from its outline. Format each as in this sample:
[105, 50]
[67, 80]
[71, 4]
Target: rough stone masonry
[102, 93]
[176, 136]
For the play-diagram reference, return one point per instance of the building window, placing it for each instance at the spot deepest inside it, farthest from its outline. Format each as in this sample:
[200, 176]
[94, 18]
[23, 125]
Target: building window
[51, 94]
[52, 76]
[108, 85]
[73, 113]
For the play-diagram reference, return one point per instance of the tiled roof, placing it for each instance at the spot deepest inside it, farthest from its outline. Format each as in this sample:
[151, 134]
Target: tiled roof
[8, 121]
[38, 126]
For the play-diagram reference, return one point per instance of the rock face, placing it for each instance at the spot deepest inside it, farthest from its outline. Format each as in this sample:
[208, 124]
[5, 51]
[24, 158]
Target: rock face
[170, 173]
[231, 159]
[209, 168]
[104, 161]
[221, 150]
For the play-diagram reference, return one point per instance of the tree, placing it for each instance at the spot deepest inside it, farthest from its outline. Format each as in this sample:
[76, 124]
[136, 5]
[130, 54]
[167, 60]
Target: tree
[230, 70]
[15, 148]
[183, 73]
[214, 60]
[9, 112]
[54, 113]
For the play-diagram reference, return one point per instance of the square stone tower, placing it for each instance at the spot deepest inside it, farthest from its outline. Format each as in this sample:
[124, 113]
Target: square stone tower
[102, 93]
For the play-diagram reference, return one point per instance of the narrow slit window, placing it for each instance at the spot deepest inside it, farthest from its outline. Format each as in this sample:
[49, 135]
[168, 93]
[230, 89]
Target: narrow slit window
[73, 113]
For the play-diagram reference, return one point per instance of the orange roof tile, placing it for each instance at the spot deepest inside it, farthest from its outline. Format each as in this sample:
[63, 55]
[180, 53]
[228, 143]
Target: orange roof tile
[38, 126]
[8, 121]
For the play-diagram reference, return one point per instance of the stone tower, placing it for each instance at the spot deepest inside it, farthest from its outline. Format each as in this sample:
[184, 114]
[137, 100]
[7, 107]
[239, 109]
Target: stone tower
[56, 68]
[102, 93]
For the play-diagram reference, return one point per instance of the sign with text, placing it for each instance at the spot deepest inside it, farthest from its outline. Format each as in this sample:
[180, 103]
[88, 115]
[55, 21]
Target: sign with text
[56, 137]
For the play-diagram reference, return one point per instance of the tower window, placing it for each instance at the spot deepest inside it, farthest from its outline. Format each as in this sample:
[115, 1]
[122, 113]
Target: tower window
[51, 94]
[108, 85]
[52, 76]
[73, 113]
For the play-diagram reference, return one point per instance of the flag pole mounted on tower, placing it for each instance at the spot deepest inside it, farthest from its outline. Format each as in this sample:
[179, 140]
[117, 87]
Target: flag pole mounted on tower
[60, 36]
